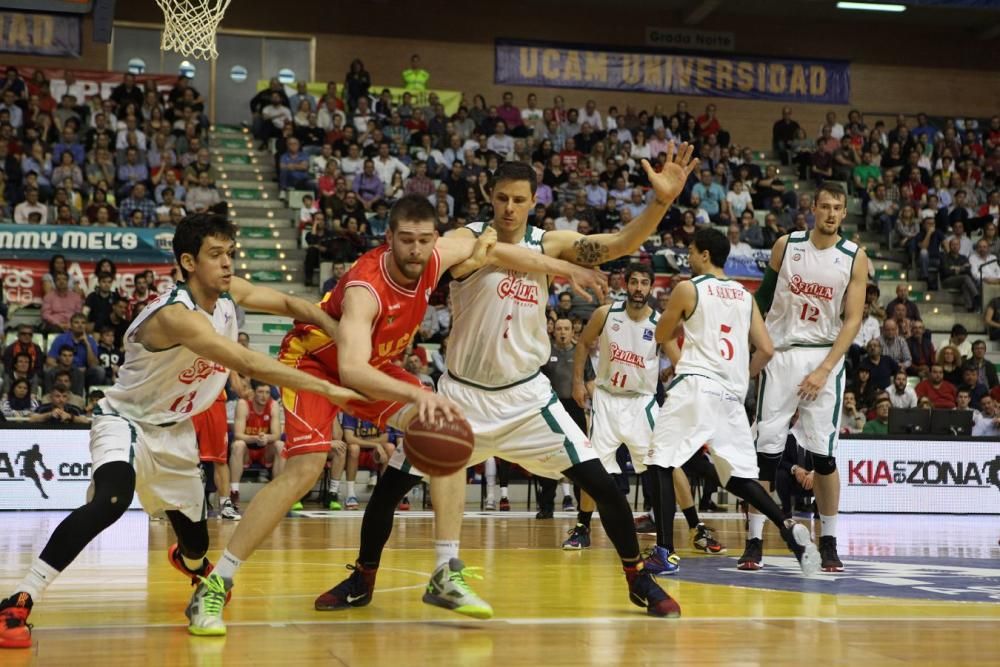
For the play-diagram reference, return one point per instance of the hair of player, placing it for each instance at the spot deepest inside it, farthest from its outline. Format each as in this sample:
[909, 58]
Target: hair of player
[411, 208]
[835, 190]
[515, 171]
[636, 267]
[715, 242]
[194, 229]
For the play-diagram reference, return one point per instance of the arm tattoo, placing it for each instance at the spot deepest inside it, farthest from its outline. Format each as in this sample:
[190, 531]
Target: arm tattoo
[590, 252]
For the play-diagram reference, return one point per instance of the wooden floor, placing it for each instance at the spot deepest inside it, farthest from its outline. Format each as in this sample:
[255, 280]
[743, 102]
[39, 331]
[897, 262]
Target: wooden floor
[121, 603]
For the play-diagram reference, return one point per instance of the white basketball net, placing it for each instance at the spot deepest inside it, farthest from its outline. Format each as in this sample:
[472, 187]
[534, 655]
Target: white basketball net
[189, 26]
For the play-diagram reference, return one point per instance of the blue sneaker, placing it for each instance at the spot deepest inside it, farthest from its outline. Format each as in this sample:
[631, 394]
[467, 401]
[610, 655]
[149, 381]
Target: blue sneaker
[661, 563]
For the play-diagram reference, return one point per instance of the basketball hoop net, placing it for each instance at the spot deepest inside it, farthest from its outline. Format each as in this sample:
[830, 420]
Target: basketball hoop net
[189, 26]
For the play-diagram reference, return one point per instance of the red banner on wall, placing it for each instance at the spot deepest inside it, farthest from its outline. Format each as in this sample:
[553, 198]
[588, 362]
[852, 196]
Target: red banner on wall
[22, 279]
[84, 84]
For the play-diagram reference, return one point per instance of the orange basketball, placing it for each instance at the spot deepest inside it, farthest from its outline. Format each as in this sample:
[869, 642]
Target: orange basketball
[439, 448]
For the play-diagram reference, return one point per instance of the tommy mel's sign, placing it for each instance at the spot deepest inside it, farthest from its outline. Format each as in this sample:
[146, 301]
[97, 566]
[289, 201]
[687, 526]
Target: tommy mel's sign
[121, 245]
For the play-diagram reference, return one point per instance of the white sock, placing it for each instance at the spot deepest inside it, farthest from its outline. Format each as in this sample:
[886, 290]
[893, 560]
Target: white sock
[567, 489]
[491, 486]
[235, 486]
[334, 485]
[757, 526]
[227, 565]
[652, 514]
[828, 525]
[444, 551]
[192, 564]
[350, 489]
[503, 492]
[39, 576]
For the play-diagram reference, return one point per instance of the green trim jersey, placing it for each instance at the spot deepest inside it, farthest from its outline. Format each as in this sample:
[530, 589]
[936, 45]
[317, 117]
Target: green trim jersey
[499, 335]
[717, 334]
[161, 387]
[629, 362]
[808, 305]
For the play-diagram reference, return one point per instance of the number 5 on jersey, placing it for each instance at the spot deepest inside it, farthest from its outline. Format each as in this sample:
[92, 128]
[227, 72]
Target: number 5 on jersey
[727, 350]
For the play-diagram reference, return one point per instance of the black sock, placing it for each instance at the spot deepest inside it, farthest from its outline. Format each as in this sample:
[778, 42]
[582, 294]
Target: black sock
[752, 492]
[583, 518]
[691, 514]
[616, 515]
[376, 525]
[666, 506]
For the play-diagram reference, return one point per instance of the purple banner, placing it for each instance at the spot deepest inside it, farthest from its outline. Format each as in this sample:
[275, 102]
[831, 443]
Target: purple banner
[752, 78]
[40, 34]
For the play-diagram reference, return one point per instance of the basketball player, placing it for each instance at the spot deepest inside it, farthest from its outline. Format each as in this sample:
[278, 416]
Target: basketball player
[813, 297]
[704, 402]
[380, 304]
[497, 346]
[211, 429]
[624, 399]
[141, 440]
[256, 436]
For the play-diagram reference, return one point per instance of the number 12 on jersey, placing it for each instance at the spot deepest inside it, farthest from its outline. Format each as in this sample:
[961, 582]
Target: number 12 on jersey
[809, 313]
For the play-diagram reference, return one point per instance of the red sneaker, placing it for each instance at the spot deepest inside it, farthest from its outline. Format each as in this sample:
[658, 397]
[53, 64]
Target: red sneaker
[15, 631]
[504, 505]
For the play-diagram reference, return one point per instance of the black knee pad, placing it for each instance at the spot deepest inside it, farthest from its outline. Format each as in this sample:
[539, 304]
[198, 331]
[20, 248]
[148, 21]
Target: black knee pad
[824, 465]
[114, 486]
[768, 466]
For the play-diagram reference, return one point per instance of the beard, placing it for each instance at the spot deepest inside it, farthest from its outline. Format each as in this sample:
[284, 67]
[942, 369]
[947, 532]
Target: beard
[413, 270]
[638, 298]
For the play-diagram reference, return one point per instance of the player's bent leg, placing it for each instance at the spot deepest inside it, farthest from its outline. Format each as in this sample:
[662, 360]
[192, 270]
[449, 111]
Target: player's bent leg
[702, 537]
[376, 527]
[616, 517]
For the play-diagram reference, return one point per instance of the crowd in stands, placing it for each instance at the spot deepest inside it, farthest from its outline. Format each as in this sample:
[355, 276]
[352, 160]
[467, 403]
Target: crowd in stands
[135, 159]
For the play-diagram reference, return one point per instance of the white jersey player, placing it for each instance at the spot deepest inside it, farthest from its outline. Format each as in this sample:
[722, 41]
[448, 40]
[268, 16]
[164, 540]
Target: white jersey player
[812, 296]
[177, 354]
[704, 401]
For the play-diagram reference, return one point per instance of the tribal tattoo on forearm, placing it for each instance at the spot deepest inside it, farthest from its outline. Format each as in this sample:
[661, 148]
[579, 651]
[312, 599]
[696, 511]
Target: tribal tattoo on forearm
[590, 252]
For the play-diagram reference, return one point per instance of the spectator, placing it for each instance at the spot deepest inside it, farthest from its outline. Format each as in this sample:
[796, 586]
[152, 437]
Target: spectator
[24, 344]
[204, 197]
[30, 205]
[922, 353]
[852, 419]
[59, 409]
[988, 422]
[710, 194]
[293, 172]
[20, 402]
[942, 394]
[881, 367]
[319, 241]
[956, 274]
[987, 373]
[783, 133]
[992, 318]
[970, 381]
[983, 265]
[84, 349]
[109, 353]
[951, 363]
[901, 394]
[894, 346]
[275, 114]
[879, 425]
[415, 77]
[356, 84]
[368, 186]
[387, 165]
[138, 202]
[864, 389]
[59, 305]
[97, 307]
[903, 297]
[739, 200]
[960, 339]
[737, 247]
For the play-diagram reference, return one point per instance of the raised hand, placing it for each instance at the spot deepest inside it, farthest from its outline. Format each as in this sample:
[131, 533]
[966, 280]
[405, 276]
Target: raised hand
[669, 182]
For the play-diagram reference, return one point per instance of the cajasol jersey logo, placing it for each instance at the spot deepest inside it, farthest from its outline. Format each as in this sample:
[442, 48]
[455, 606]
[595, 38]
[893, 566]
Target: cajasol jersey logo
[957, 472]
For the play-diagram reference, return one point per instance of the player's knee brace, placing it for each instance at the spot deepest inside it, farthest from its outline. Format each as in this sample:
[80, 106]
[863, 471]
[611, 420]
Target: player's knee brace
[192, 537]
[768, 466]
[114, 486]
[824, 465]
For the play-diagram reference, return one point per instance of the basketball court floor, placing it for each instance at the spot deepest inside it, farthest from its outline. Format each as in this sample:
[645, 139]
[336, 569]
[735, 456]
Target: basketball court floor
[916, 590]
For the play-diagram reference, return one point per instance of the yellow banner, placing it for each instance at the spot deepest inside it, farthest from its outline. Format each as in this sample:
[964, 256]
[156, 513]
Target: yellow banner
[450, 99]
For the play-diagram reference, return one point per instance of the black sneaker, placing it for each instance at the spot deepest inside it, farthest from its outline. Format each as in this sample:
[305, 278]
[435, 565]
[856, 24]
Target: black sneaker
[544, 514]
[579, 538]
[568, 504]
[355, 591]
[643, 591]
[753, 556]
[645, 525]
[830, 561]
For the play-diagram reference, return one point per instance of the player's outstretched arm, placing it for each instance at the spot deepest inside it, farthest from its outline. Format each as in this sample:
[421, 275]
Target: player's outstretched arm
[267, 300]
[582, 351]
[680, 306]
[761, 340]
[354, 350]
[177, 323]
[459, 252]
[599, 248]
[854, 304]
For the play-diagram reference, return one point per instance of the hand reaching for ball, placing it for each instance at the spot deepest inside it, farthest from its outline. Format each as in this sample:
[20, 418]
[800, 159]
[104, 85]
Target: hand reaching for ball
[432, 408]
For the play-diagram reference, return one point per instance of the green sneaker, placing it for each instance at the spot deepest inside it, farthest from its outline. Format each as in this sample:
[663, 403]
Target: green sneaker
[205, 609]
[335, 503]
[297, 507]
[449, 590]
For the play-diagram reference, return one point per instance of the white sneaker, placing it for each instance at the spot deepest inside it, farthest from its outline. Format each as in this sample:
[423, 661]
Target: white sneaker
[204, 612]
[448, 589]
[491, 505]
[228, 511]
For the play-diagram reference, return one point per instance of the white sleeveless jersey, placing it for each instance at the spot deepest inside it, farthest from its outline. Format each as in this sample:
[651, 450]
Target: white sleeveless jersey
[808, 305]
[498, 329]
[171, 385]
[717, 334]
[628, 359]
